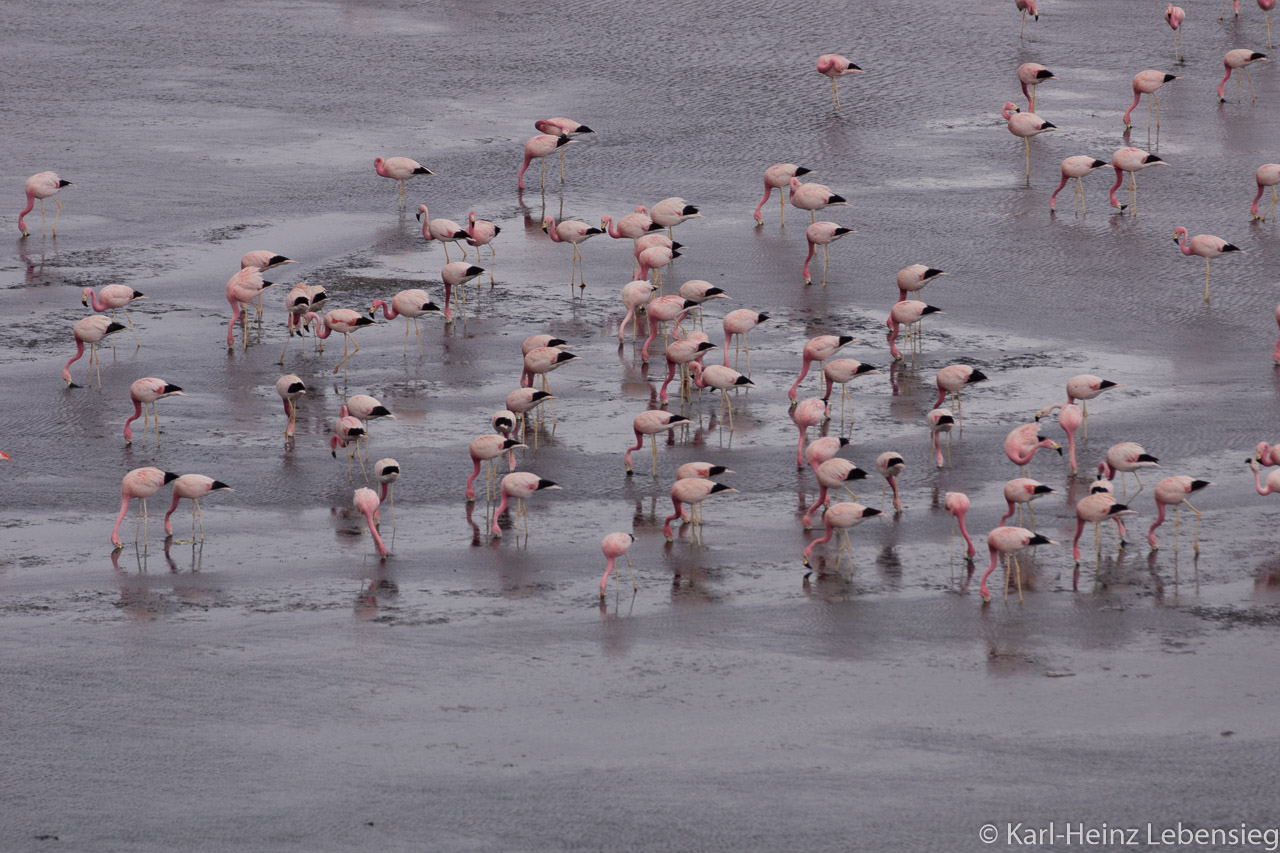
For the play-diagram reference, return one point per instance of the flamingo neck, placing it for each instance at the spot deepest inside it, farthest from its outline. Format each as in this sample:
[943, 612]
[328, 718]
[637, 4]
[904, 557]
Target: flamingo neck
[768, 191]
[1114, 203]
[528, 158]
[604, 580]
[124, 508]
[373, 531]
[995, 557]
[1137, 96]
[386, 487]
[893, 336]
[1224, 81]
[100, 306]
[388, 311]
[1257, 481]
[1253, 209]
[964, 531]
[31, 203]
[137, 413]
[66, 371]
[1053, 199]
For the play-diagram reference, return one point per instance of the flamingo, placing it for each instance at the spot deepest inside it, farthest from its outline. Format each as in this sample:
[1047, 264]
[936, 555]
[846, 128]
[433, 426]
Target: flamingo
[1009, 541]
[342, 320]
[1032, 74]
[824, 449]
[633, 226]
[1022, 491]
[634, 295]
[651, 423]
[575, 233]
[1094, 509]
[386, 471]
[480, 232]
[1126, 457]
[1084, 388]
[661, 310]
[347, 431]
[243, 288]
[616, 545]
[560, 126]
[399, 169]
[809, 413]
[698, 291]
[41, 185]
[722, 378]
[778, 177]
[1026, 7]
[915, 278]
[822, 234]
[290, 388]
[1175, 491]
[116, 296]
[1267, 454]
[813, 197]
[833, 474]
[1070, 419]
[445, 230]
[692, 491]
[486, 448]
[1146, 83]
[906, 313]
[297, 303]
[194, 487]
[835, 66]
[539, 341]
[952, 379]
[1206, 246]
[819, 349]
[844, 371]
[263, 259]
[1273, 480]
[1268, 175]
[670, 212]
[1175, 15]
[1239, 59]
[1131, 160]
[701, 469]
[410, 304]
[740, 322]
[844, 516]
[1024, 126]
[520, 485]
[540, 147]
[1234, 3]
[366, 502]
[654, 258]
[1022, 443]
[957, 505]
[457, 274]
[680, 353]
[890, 464]
[543, 360]
[139, 483]
[145, 392]
[940, 421]
[1267, 6]
[1076, 167]
[91, 330]
[524, 400]
[366, 409]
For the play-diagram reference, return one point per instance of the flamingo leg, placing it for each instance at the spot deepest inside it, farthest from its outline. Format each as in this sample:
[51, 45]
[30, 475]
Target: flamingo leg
[1206, 279]
[1026, 144]
[544, 173]
[197, 512]
[1017, 568]
[562, 165]
[1196, 544]
[782, 198]
[1031, 510]
[96, 362]
[1084, 407]
[653, 441]
[59, 213]
[835, 92]
[635, 586]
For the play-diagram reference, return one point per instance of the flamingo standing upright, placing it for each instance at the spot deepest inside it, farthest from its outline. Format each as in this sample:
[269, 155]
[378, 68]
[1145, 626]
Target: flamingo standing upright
[1009, 541]
[890, 464]
[366, 502]
[808, 413]
[670, 212]
[573, 232]
[692, 491]
[835, 66]
[940, 421]
[651, 423]
[91, 330]
[1031, 75]
[139, 483]
[410, 304]
[481, 232]
[740, 322]
[1069, 418]
[957, 505]
[342, 320]
[1267, 7]
[560, 126]
[1175, 491]
[41, 185]
[913, 279]
[1174, 16]
[1022, 443]
[444, 230]
[843, 516]
[399, 169]
[906, 313]
[117, 296]
[1024, 126]
[953, 379]
[290, 388]
[539, 147]
[1268, 175]
[1131, 160]
[1084, 388]
[822, 234]
[779, 177]
[1022, 491]
[616, 545]
[1026, 7]
[1206, 246]
[520, 485]
[833, 474]
[1126, 457]
[1077, 167]
[820, 349]
[145, 392]
[243, 288]
[1147, 83]
[1238, 60]
[193, 487]
[722, 378]
[813, 197]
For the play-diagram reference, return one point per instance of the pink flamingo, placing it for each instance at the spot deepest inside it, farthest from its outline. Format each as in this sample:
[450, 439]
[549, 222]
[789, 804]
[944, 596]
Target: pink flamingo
[616, 545]
[1174, 16]
[243, 288]
[1026, 7]
[1131, 160]
[680, 353]
[651, 423]
[1206, 246]
[721, 378]
[692, 491]
[1094, 509]
[633, 226]
[1267, 6]
[1084, 388]
[540, 147]
[740, 322]
[833, 474]
[41, 185]
[1076, 167]
[399, 169]
[1175, 491]
[139, 483]
[1070, 419]
[116, 296]
[1267, 454]
[890, 464]
[779, 177]
[1233, 3]
[410, 304]
[906, 313]
[957, 504]
[366, 409]
[822, 234]
[302, 298]
[662, 310]
[819, 349]
[575, 233]
[699, 291]
[290, 388]
[524, 400]
[1126, 457]
[1024, 126]
[1273, 480]
[1009, 541]
[824, 449]
[835, 66]
[1268, 175]
[813, 197]
[145, 392]
[487, 448]
[386, 471]
[193, 487]
[263, 259]
[560, 126]
[670, 212]
[1022, 491]
[456, 275]
[653, 259]
[940, 421]
[342, 320]
[844, 371]
[953, 379]
[634, 295]
[1238, 60]
[809, 413]
[1022, 443]
[91, 330]
[543, 360]
[701, 469]
[914, 279]
[366, 503]
[347, 431]
[1032, 74]
[480, 232]
[843, 516]
[445, 230]
[520, 485]
[1147, 83]
[534, 342]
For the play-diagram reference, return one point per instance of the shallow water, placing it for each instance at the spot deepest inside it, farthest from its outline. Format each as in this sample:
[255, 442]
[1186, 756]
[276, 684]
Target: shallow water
[280, 688]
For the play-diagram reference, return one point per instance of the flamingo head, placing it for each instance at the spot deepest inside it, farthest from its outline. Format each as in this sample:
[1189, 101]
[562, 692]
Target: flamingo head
[422, 211]
[1009, 109]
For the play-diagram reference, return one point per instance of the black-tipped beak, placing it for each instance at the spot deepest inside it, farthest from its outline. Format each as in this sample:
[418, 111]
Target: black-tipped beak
[418, 216]
[1059, 449]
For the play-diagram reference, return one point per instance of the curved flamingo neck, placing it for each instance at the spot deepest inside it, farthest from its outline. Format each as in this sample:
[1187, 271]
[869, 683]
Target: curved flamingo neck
[31, 203]
[373, 531]
[1182, 243]
[124, 509]
[388, 311]
[610, 227]
[1224, 80]
[1019, 459]
[768, 191]
[1116, 186]
[100, 306]
[995, 558]
[1137, 96]
[137, 413]
[381, 168]
[382, 496]
[964, 531]
[1054, 198]
[502, 506]
[1253, 209]
[1151, 532]
[528, 158]
[1257, 481]
[551, 230]
[66, 371]
[893, 336]
[604, 580]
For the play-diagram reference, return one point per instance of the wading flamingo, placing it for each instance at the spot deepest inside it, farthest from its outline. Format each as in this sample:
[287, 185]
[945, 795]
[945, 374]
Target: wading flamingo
[833, 474]
[456, 275]
[1027, 7]
[91, 330]
[342, 320]
[366, 503]
[1174, 16]
[290, 388]
[1069, 418]
[1131, 160]
[485, 449]
[819, 349]
[1094, 509]
[680, 353]
[1022, 443]
[906, 313]
[957, 505]
[740, 322]
[1084, 388]
[145, 392]
[399, 169]
[953, 379]
[540, 147]
[890, 464]
[193, 487]
[651, 423]
[572, 232]
[913, 279]
[1268, 175]
[1077, 167]
[520, 485]
[809, 413]
[722, 378]
[691, 491]
[480, 232]
[444, 230]
[561, 126]
[616, 545]
[1024, 126]
[243, 288]
[1009, 541]
[1126, 457]
[1022, 491]
[779, 178]
[1238, 60]
[1146, 83]
[117, 296]
[813, 197]
[940, 421]
[664, 309]
[139, 483]
[835, 66]
[410, 304]
[1206, 246]
[670, 212]
[844, 371]
[41, 185]
[634, 296]
[1175, 491]
[1031, 75]
[843, 516]
[822, 234]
